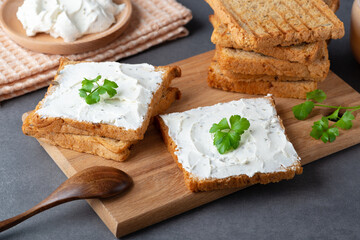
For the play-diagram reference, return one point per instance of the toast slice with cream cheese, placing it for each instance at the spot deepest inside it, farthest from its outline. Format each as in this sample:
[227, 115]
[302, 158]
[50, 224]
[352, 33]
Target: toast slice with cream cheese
[264, 154]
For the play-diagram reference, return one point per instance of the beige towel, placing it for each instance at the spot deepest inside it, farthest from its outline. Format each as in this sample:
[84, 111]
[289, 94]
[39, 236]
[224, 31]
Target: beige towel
[152, 22]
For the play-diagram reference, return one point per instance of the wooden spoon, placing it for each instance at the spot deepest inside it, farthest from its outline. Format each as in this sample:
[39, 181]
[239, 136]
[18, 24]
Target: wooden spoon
[93, 182]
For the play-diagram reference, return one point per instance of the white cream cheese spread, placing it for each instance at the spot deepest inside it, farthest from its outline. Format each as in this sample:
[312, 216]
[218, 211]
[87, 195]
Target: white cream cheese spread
[128, 108]
[69, 19]
[263, 147]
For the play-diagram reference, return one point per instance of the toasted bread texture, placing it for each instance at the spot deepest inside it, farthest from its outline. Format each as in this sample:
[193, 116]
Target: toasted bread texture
[258, 23]
[196, 184]
[258, 77]
[333, 4]
[72, 126]
[240, 61]
[257, 86]
[104, 147]
[305, 53]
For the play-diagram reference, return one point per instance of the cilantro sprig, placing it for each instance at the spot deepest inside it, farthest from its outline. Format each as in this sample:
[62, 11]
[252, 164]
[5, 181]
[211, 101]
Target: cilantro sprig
[227, 138]
[322, 129]
[91, 95]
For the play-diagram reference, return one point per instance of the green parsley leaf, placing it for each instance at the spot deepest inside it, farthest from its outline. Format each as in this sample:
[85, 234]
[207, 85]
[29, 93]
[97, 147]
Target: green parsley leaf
[317, 130]
[335, 115]
[321, 130]
[303, 110]
[227, 138]
[333, 133]
[87, 85]
[222, 142]
[345, 122]
[223, 124]
[239, 124]
[91, 95]
[101, 90]
[92, 98]
[94, 80]
[82, 93]
[317, 95]
[110, 86]
[234, 138]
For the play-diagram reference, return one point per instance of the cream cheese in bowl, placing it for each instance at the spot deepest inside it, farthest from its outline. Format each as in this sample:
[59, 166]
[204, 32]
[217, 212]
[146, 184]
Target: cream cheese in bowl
[68, 19]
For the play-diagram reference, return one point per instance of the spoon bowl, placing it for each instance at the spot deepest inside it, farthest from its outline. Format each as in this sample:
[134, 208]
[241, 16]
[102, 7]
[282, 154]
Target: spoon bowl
[97, 182]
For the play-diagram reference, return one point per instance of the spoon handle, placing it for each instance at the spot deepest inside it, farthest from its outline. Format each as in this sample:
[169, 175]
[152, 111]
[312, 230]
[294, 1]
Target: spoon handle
[59, 196]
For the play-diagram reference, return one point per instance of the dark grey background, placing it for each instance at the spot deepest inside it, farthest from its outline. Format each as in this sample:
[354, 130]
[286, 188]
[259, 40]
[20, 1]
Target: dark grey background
[323, 203]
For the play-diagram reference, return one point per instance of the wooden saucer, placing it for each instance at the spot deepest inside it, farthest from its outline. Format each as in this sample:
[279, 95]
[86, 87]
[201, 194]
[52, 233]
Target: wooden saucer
[44, 43]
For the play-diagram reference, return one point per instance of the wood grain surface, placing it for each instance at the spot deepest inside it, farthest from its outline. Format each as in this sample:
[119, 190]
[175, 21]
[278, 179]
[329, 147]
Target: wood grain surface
[159, 191]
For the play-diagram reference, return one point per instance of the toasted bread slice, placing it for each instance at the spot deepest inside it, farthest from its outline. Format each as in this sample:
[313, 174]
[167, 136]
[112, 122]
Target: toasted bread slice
[240, 61]
[257, 86]
[259, 24]
[245, 77]
[303, 53]
[70, 125]
[252, 162]
[333, 4]
[103, 147]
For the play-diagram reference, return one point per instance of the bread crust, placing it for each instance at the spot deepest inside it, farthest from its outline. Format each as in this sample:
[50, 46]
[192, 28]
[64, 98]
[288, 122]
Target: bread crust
[87, 144]
[66, 125]
[104, 147]
[258, 77]
[333, 4]
[270, 23]
[245, 77]
[195, 184]
[303, 53]
[284, 89]
[252, 63]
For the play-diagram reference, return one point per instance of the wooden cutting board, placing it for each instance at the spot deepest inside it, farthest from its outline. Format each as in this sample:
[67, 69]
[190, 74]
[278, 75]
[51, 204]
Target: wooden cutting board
[159, 191]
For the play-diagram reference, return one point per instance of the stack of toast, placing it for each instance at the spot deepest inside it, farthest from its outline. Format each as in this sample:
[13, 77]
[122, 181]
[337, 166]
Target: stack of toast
[276, 47]
[56, 120]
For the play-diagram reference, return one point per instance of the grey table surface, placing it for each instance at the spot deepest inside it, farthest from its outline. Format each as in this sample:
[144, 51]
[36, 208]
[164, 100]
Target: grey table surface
[322, 203]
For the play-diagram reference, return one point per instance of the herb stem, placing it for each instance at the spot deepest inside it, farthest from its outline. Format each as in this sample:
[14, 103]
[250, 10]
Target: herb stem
[354, 107]
[95, 89]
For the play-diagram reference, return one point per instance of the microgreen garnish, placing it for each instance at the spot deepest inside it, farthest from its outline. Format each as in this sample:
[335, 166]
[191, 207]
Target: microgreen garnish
[93, 96]
[321, 129]
[227, 138]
